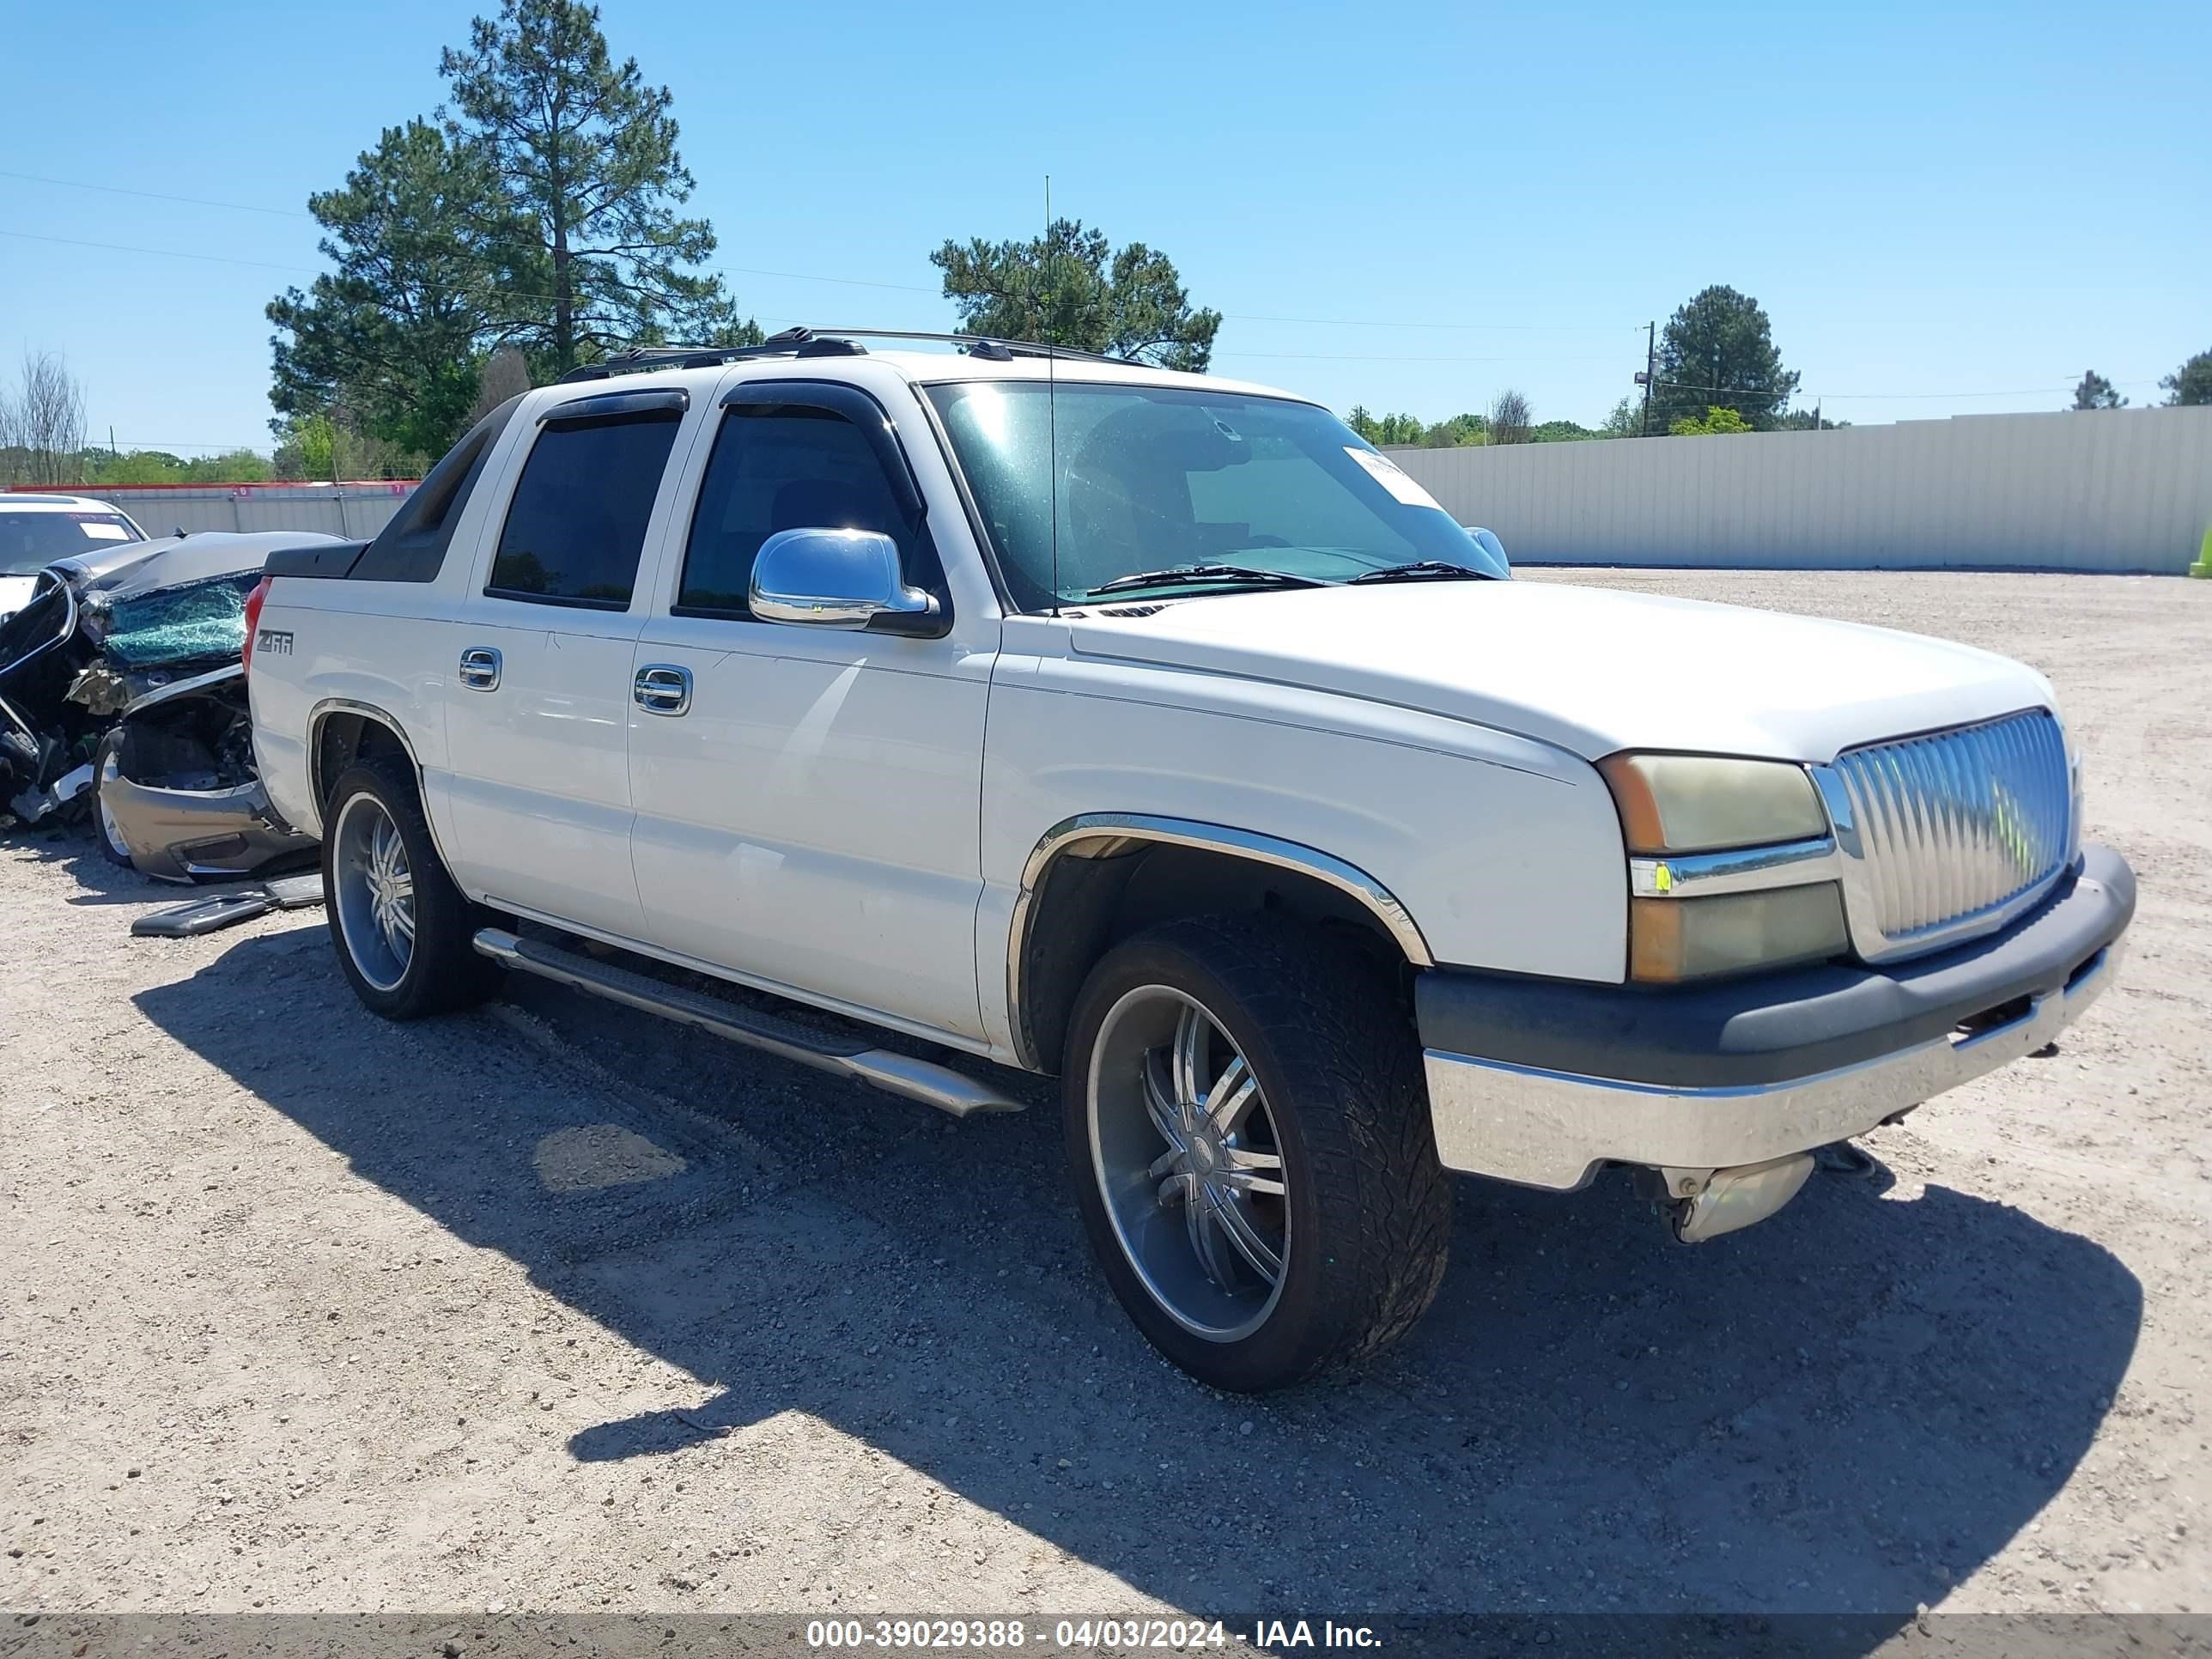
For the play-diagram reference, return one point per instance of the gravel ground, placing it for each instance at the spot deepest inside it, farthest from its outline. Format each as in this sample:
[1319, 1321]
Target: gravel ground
[554, 1308]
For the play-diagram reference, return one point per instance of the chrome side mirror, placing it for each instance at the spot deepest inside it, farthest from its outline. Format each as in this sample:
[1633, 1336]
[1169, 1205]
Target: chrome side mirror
[847, 579]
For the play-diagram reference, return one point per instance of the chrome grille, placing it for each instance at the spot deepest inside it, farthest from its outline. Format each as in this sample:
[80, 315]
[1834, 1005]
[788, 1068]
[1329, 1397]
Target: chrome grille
[1956, 822]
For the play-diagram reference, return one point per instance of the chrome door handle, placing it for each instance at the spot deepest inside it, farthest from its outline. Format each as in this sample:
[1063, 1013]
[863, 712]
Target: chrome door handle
[663, 688]
[480, 666]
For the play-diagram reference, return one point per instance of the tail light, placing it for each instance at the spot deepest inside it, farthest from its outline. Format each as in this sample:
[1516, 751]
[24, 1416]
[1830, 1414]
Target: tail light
[253, 602]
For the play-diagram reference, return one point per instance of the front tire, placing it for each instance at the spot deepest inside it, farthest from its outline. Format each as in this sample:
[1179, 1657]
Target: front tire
[404, 933]
[112, 847]
[1247, 1132]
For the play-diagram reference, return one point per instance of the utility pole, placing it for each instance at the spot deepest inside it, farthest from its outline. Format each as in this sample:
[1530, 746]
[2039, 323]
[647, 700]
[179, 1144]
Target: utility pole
[1651, 371]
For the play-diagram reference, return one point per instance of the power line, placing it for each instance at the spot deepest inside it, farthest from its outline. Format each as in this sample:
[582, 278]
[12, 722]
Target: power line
[842, 281]
[1749, 391]
[848, 281]
[1354, 322]
[155, 195]
[315, 271]
[1360, 357]
[294, 213]
[265, 264]
[180, 443]
[165, 252]
[795, 276]
[2017, 392]
[913, 288]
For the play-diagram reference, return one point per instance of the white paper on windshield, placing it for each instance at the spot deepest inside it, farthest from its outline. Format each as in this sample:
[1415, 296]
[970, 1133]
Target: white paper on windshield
[106, 532]
[1393, 477]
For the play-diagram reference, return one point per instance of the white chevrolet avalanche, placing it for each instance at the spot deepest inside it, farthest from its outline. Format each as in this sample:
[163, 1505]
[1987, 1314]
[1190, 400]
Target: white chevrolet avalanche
[1154, 731]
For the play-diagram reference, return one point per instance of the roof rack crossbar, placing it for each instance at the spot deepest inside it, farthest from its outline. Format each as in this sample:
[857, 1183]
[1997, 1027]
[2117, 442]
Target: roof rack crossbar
[979, 345]
[793, 342]
[824, 342]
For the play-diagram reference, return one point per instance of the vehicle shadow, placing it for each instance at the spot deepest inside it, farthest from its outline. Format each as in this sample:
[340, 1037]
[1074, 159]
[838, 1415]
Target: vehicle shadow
[1847, 1409]
[75, 848]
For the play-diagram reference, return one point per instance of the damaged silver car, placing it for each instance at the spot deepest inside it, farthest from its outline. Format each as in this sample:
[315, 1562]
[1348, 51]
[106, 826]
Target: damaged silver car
[174, 791]
[121, 696]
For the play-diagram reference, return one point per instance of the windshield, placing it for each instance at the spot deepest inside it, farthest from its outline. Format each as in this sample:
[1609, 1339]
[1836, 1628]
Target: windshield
[183, 624]
[1152, 479]
[31, 539]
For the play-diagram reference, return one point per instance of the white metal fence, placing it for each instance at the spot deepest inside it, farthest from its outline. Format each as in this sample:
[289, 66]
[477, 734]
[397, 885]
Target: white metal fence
[2118, 489]
[2113, 490]
[353, 511]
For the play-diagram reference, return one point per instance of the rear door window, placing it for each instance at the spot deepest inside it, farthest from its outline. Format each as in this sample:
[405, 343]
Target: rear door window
[575, 529]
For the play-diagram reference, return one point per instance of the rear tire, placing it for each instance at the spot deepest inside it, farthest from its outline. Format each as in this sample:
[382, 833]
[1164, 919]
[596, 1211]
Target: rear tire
[404, 934]
[1237, 1094]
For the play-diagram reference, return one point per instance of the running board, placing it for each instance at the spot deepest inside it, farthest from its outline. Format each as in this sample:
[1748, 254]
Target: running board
[899, 1074]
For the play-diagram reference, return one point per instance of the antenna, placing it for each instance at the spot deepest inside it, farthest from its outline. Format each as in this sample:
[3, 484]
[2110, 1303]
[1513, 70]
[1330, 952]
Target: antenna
[1052, 401]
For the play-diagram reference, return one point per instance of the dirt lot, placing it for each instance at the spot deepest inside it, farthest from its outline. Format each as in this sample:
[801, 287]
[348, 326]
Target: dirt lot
[551, 1307]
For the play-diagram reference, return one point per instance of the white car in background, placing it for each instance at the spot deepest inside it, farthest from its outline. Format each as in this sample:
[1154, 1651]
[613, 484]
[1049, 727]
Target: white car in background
[37, 530]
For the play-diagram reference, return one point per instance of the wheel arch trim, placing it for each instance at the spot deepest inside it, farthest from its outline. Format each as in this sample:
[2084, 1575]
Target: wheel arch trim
[1075, 837]
[321, 714]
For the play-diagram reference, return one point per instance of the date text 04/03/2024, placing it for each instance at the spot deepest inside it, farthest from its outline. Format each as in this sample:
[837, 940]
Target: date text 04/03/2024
[1076, 1635]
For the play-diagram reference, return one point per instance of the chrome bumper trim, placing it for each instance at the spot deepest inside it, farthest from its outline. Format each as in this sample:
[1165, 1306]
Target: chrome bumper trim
[1553, 1129]
[1745, 869]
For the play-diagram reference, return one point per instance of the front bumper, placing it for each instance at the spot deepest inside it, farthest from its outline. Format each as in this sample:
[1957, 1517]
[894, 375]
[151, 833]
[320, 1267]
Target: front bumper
[1542, 1082]
[179, 834]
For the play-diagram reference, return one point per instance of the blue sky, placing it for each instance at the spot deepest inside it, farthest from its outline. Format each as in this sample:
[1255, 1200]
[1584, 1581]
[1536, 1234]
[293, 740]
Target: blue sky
[1945, 209]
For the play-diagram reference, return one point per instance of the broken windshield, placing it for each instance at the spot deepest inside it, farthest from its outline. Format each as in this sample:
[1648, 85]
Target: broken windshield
[206, 619]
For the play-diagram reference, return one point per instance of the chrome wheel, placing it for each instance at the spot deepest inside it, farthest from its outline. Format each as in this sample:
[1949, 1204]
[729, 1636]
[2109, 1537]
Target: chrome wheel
[110, 830]
[1187, 1158]
[375, 892]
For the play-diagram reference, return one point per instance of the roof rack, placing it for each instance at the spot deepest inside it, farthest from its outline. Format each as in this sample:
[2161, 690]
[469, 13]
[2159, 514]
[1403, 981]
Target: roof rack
[791, 343]
[989, 347]
[823, 343]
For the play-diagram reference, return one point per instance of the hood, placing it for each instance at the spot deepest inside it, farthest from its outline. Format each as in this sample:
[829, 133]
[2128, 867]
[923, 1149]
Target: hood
[176, 561]
[15, 593]
[1591, 670]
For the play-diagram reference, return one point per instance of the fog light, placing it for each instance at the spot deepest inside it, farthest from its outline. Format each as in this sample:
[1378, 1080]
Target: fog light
[1671, 939]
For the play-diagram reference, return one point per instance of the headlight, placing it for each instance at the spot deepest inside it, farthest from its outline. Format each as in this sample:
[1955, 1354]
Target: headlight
[1672, 939]
[1723, 856]
[1704, 803]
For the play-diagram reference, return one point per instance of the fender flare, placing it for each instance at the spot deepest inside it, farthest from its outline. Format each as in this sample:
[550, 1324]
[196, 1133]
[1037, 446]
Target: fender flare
[1096, 834]
[322, 712]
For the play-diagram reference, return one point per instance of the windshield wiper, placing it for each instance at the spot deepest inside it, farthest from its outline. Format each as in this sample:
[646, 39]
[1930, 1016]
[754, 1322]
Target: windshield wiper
[1176, 575]
[1424, 570]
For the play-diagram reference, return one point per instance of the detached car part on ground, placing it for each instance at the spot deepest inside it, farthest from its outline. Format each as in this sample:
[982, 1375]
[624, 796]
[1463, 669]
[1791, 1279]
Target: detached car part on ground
[123, 667]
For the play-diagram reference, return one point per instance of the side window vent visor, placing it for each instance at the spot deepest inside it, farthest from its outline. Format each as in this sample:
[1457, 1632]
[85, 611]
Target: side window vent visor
[852, 405]
[656, 403]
